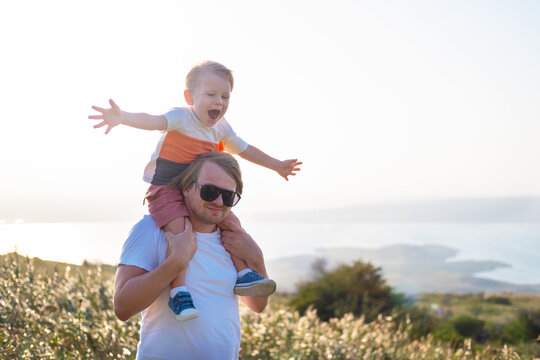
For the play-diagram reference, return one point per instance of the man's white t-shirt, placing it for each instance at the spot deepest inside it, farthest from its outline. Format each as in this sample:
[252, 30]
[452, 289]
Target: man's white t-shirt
[210, 278]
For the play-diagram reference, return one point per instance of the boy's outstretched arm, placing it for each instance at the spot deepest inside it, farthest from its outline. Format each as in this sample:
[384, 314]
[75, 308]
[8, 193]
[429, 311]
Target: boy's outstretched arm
[284, 168]
[115, 116]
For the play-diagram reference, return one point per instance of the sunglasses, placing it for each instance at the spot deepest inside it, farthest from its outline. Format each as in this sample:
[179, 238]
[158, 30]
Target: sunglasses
[211, 193]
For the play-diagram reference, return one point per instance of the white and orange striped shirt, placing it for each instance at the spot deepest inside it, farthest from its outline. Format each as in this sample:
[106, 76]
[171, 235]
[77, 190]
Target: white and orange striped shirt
[185, 138]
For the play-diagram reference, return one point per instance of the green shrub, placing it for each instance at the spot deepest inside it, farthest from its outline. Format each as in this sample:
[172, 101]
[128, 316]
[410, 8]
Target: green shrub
[358, 289]
[423, 322]
[525, 327]
[500, 300]
[467, 326]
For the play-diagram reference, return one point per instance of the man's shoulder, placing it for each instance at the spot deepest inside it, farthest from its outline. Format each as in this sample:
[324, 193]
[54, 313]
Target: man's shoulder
[145, 244]
[146, 224]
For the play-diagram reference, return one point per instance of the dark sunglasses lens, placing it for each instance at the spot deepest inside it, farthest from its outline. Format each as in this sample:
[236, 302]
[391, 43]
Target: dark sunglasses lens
[228, 198]
[211, 192]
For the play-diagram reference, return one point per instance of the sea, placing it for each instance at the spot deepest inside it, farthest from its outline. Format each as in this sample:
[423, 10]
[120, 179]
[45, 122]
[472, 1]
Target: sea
[515, 244]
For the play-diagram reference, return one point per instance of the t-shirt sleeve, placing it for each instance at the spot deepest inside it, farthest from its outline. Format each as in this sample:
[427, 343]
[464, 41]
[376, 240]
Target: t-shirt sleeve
[176, 119]
[142, 247]
[232, 143]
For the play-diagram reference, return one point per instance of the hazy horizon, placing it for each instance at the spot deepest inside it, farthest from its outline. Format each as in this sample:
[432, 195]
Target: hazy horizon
[509, 209]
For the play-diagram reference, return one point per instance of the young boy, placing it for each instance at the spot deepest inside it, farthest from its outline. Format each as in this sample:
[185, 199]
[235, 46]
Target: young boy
[188, 132]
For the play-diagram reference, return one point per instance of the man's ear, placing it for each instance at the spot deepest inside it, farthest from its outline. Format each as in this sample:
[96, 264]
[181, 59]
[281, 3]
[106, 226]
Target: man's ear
[184, 193]
[187, 96]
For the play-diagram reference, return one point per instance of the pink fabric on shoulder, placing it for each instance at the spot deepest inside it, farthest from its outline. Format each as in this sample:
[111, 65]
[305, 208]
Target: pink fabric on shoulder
[165, 204]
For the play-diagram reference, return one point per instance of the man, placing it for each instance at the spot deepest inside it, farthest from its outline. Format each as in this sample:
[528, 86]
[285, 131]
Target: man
[144, 271]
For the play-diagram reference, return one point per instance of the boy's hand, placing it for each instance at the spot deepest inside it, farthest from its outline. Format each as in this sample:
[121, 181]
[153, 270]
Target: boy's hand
[111, 117]
[287, 168]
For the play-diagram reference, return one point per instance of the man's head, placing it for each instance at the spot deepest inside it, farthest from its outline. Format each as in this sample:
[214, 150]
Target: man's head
[208, 89]
[216, 177]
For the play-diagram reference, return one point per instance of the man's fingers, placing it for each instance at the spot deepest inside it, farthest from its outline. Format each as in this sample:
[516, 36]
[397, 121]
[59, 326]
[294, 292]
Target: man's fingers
[225, 225]
[227, 239]
[231, 225]
[168, 236]
[113, 104]
[101, 124]
[108, 129]
[96, 117]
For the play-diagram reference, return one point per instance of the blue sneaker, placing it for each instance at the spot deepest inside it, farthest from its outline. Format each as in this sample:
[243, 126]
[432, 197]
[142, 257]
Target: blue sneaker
[182, 307]
[253, 284]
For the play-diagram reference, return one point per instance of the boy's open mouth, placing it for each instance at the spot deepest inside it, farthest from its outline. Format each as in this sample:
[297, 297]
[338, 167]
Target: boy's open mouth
[213, 114]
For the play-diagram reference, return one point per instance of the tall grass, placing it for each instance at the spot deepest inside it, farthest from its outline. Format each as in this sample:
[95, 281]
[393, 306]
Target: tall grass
[68, 314]
[284, 334]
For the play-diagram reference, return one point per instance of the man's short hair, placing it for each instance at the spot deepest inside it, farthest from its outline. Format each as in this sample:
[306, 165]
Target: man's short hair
[226, 161]
[194, 75]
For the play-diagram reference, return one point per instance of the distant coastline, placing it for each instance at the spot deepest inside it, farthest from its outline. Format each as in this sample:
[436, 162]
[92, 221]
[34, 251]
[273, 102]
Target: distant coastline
[408, 268]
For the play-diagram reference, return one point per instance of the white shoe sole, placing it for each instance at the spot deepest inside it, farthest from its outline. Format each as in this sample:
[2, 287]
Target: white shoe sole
[261, 288]
[187, 315]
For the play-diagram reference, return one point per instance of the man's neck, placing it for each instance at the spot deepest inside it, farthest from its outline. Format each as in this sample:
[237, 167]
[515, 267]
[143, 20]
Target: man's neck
[202, 227]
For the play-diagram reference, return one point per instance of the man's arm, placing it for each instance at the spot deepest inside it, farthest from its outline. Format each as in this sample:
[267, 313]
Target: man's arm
[284, 168]
[239, 243]
[115, 116]
[136, 288]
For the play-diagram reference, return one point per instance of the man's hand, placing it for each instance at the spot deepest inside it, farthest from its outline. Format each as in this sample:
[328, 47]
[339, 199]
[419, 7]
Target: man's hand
[110, 117]
[287, 168]
[182, 246]
[239, 243]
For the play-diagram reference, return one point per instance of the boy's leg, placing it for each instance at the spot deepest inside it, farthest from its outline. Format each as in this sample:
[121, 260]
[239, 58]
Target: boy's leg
[176, 227]
[239, 264]
[167, 207]
[249, 282]
[180, 301]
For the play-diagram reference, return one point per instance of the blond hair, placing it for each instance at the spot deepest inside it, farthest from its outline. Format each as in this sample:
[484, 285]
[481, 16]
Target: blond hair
[226, 161]
[194, 75]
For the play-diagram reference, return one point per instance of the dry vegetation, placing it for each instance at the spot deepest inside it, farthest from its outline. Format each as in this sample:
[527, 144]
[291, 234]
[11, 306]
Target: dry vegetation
[68, 315]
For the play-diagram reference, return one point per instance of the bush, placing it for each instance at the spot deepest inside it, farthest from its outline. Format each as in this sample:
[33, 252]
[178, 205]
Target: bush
[423, 322]
[501, 300]
[358, 289]
[525, 327]
[467, 326]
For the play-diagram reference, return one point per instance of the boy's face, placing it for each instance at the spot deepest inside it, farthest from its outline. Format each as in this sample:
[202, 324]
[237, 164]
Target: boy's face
[210, 99]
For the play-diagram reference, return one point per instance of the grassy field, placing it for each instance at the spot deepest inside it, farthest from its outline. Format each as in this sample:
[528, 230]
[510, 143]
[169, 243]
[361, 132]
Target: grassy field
[55, 311]
[497, 308]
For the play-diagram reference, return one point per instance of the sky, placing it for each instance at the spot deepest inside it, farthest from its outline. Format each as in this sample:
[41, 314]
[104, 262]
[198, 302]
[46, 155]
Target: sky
[381, 100]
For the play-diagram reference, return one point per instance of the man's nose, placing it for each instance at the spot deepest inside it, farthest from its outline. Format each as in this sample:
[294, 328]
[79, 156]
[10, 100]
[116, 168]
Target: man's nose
[218, 200]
